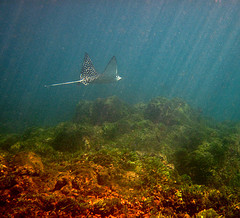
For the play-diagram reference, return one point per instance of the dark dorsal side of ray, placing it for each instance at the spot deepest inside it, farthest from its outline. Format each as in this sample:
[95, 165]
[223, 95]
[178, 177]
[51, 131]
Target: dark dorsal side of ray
[88, 73]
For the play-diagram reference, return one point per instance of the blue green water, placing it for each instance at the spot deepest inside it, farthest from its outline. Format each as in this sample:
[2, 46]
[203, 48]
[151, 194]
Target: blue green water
[172, 48]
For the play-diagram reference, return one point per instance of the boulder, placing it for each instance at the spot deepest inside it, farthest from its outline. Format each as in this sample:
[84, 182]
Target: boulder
[101, 110]
[28, 163]
[168, 112]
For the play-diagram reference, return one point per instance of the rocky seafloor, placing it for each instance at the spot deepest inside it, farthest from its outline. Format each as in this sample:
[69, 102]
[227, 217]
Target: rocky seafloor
[155, 159]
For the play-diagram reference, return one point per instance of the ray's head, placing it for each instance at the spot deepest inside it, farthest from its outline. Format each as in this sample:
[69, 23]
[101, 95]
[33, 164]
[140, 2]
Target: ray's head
[118, 78]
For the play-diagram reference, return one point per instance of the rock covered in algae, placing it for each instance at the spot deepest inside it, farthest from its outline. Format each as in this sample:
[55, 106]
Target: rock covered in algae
[28, 163]
[102, 110]
[169, 112]
[71, 137]
[83, 112]
[210, 213]
[6, 141]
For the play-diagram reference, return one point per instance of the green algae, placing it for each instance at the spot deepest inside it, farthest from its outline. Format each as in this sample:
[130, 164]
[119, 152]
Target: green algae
[170, 111]
[101, 110]
[202, 151]
[164, 142]
[210, 213]
[7, 140]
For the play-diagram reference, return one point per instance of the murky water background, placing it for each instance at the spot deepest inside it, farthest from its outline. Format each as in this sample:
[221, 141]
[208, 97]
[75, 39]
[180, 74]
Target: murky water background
[187, 49]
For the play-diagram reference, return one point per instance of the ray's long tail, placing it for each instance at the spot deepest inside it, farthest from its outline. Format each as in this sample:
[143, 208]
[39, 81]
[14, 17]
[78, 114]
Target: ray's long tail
[66, 83]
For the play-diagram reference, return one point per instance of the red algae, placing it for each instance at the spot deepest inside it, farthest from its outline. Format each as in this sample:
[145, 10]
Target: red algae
[80, 187]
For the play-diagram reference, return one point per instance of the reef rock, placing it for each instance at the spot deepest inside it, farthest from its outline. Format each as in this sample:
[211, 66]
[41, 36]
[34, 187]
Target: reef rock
[28, 163]
[102, 110]
[71, 137]
[169, 112]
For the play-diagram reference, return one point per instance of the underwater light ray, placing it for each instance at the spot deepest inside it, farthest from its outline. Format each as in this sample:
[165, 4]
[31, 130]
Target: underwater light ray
[191, 62]
[224, 48]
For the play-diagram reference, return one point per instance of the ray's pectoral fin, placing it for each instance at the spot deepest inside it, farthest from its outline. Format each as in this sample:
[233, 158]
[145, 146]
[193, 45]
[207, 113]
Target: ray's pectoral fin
[88, 73]
[111, 68]
[110, 73]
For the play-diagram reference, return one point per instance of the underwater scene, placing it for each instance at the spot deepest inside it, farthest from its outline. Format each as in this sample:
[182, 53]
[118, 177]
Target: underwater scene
[120, 108]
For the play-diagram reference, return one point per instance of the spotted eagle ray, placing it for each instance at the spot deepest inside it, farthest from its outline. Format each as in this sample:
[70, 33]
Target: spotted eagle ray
[90, 75]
